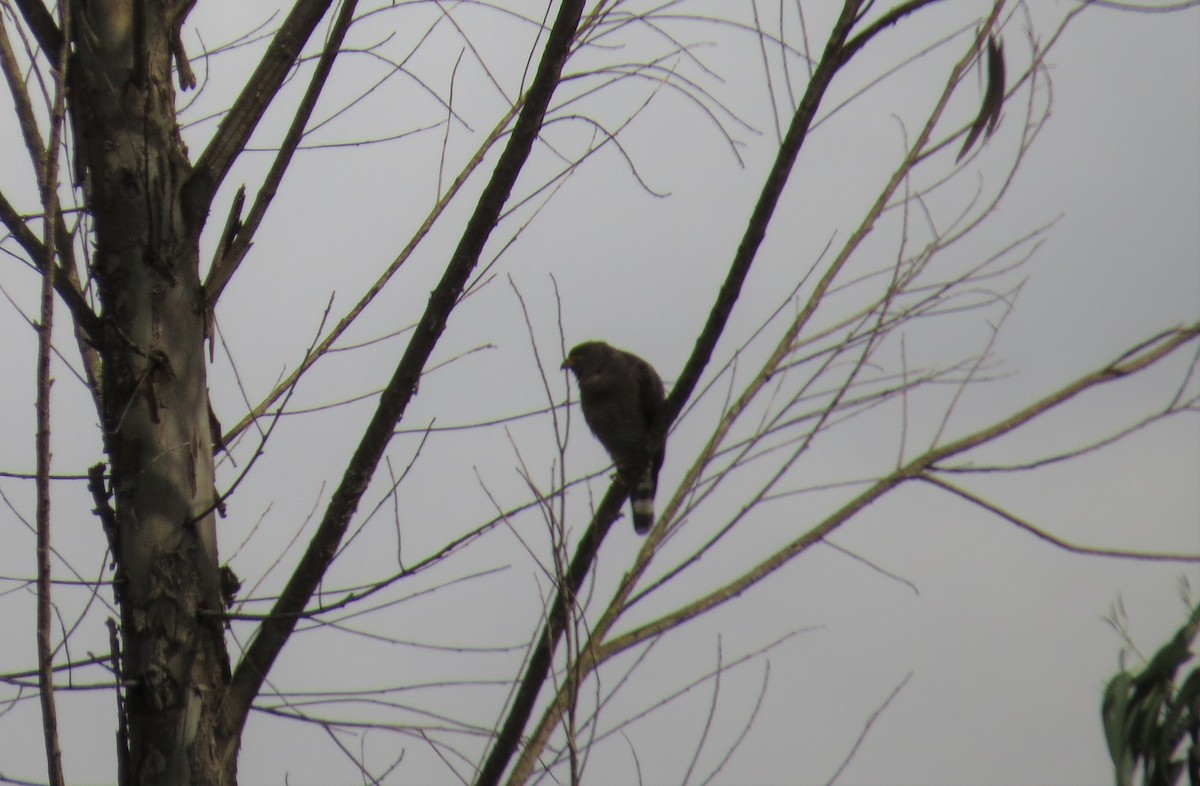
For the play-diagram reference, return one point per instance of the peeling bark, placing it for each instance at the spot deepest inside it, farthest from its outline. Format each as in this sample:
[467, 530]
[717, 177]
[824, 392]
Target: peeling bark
[154, 393]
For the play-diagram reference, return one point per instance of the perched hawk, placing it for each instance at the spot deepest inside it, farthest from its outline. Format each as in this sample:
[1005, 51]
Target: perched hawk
[622, 399]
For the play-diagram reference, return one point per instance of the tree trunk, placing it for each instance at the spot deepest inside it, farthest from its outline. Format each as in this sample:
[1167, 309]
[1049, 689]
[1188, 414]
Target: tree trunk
[155, 400]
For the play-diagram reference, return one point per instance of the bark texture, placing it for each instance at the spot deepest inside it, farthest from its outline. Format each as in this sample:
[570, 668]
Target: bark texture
[154, 395]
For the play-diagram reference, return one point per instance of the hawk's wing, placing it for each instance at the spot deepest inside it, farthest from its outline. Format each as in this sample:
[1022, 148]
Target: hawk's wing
[650, 393]
[652, 397]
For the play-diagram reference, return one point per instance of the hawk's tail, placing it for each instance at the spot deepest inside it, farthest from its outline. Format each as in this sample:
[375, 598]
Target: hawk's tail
[642, 502]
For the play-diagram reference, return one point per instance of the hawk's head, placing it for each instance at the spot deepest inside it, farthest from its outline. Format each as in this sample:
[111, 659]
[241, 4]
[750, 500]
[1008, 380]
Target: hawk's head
[588, 358]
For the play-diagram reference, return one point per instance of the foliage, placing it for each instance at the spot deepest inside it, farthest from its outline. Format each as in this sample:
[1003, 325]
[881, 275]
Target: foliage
[1152, 720]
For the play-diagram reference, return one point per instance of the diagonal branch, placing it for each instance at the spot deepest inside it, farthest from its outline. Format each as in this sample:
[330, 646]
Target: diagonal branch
[49, 37]
[338, 330]
[1065, 545]
[893, 16]
[261, 88]
[67, 284]
[1134, 360]
[64, 284]
[225, 265]
[1130, 362]
[540, 660]
[756, 229]
[274, 632]
[509, 738]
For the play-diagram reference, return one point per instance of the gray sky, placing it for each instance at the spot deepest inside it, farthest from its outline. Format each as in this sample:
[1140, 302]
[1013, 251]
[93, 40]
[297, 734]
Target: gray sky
[996, 636]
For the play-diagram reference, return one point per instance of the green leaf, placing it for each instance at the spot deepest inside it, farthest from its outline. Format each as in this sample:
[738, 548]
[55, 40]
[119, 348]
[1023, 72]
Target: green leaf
[1114, 714]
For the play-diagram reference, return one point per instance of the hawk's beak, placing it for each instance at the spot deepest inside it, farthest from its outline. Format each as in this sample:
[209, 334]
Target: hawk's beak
[566, 364]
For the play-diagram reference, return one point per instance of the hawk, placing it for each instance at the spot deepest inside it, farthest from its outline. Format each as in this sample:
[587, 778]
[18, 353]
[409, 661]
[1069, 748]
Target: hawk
[622, 399]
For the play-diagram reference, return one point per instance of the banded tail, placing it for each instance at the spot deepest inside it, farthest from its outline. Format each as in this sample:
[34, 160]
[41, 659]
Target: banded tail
[641, 501]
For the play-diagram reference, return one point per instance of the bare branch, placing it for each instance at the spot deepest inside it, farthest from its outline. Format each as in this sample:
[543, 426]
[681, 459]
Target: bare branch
[67, 284]
[756, 228]
[49, 182]
[405, 254]
[230, 256]
[67, 289]
[867, 728]
[589, 545]
[1136, 359]
[260, 90]
[273, 633]
[49, 37]
[1148, 556]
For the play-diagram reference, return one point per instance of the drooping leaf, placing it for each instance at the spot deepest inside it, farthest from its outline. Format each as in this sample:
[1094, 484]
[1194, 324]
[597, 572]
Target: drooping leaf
[993, 97]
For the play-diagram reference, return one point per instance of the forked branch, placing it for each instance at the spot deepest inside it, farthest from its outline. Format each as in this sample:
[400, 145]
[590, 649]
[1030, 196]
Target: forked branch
[509, 736]
[261, 88]
[236, 243]
[1136, 359]
[273, 633]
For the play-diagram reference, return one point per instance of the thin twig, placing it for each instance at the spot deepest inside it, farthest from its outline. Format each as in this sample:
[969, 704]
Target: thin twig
[236, 243]
[273, 633]
[45, 339]
[867, 728]
[1012, 518]
[610, 506]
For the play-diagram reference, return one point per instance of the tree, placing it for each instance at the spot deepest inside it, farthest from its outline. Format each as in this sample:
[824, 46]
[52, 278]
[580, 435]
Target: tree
[835, 336]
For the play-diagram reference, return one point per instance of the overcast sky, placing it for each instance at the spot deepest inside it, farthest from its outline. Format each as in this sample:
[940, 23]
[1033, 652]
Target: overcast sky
[996, 637]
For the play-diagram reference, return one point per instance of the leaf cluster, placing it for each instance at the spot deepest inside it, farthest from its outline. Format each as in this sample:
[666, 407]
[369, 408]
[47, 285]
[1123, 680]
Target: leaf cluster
[1151, 720]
